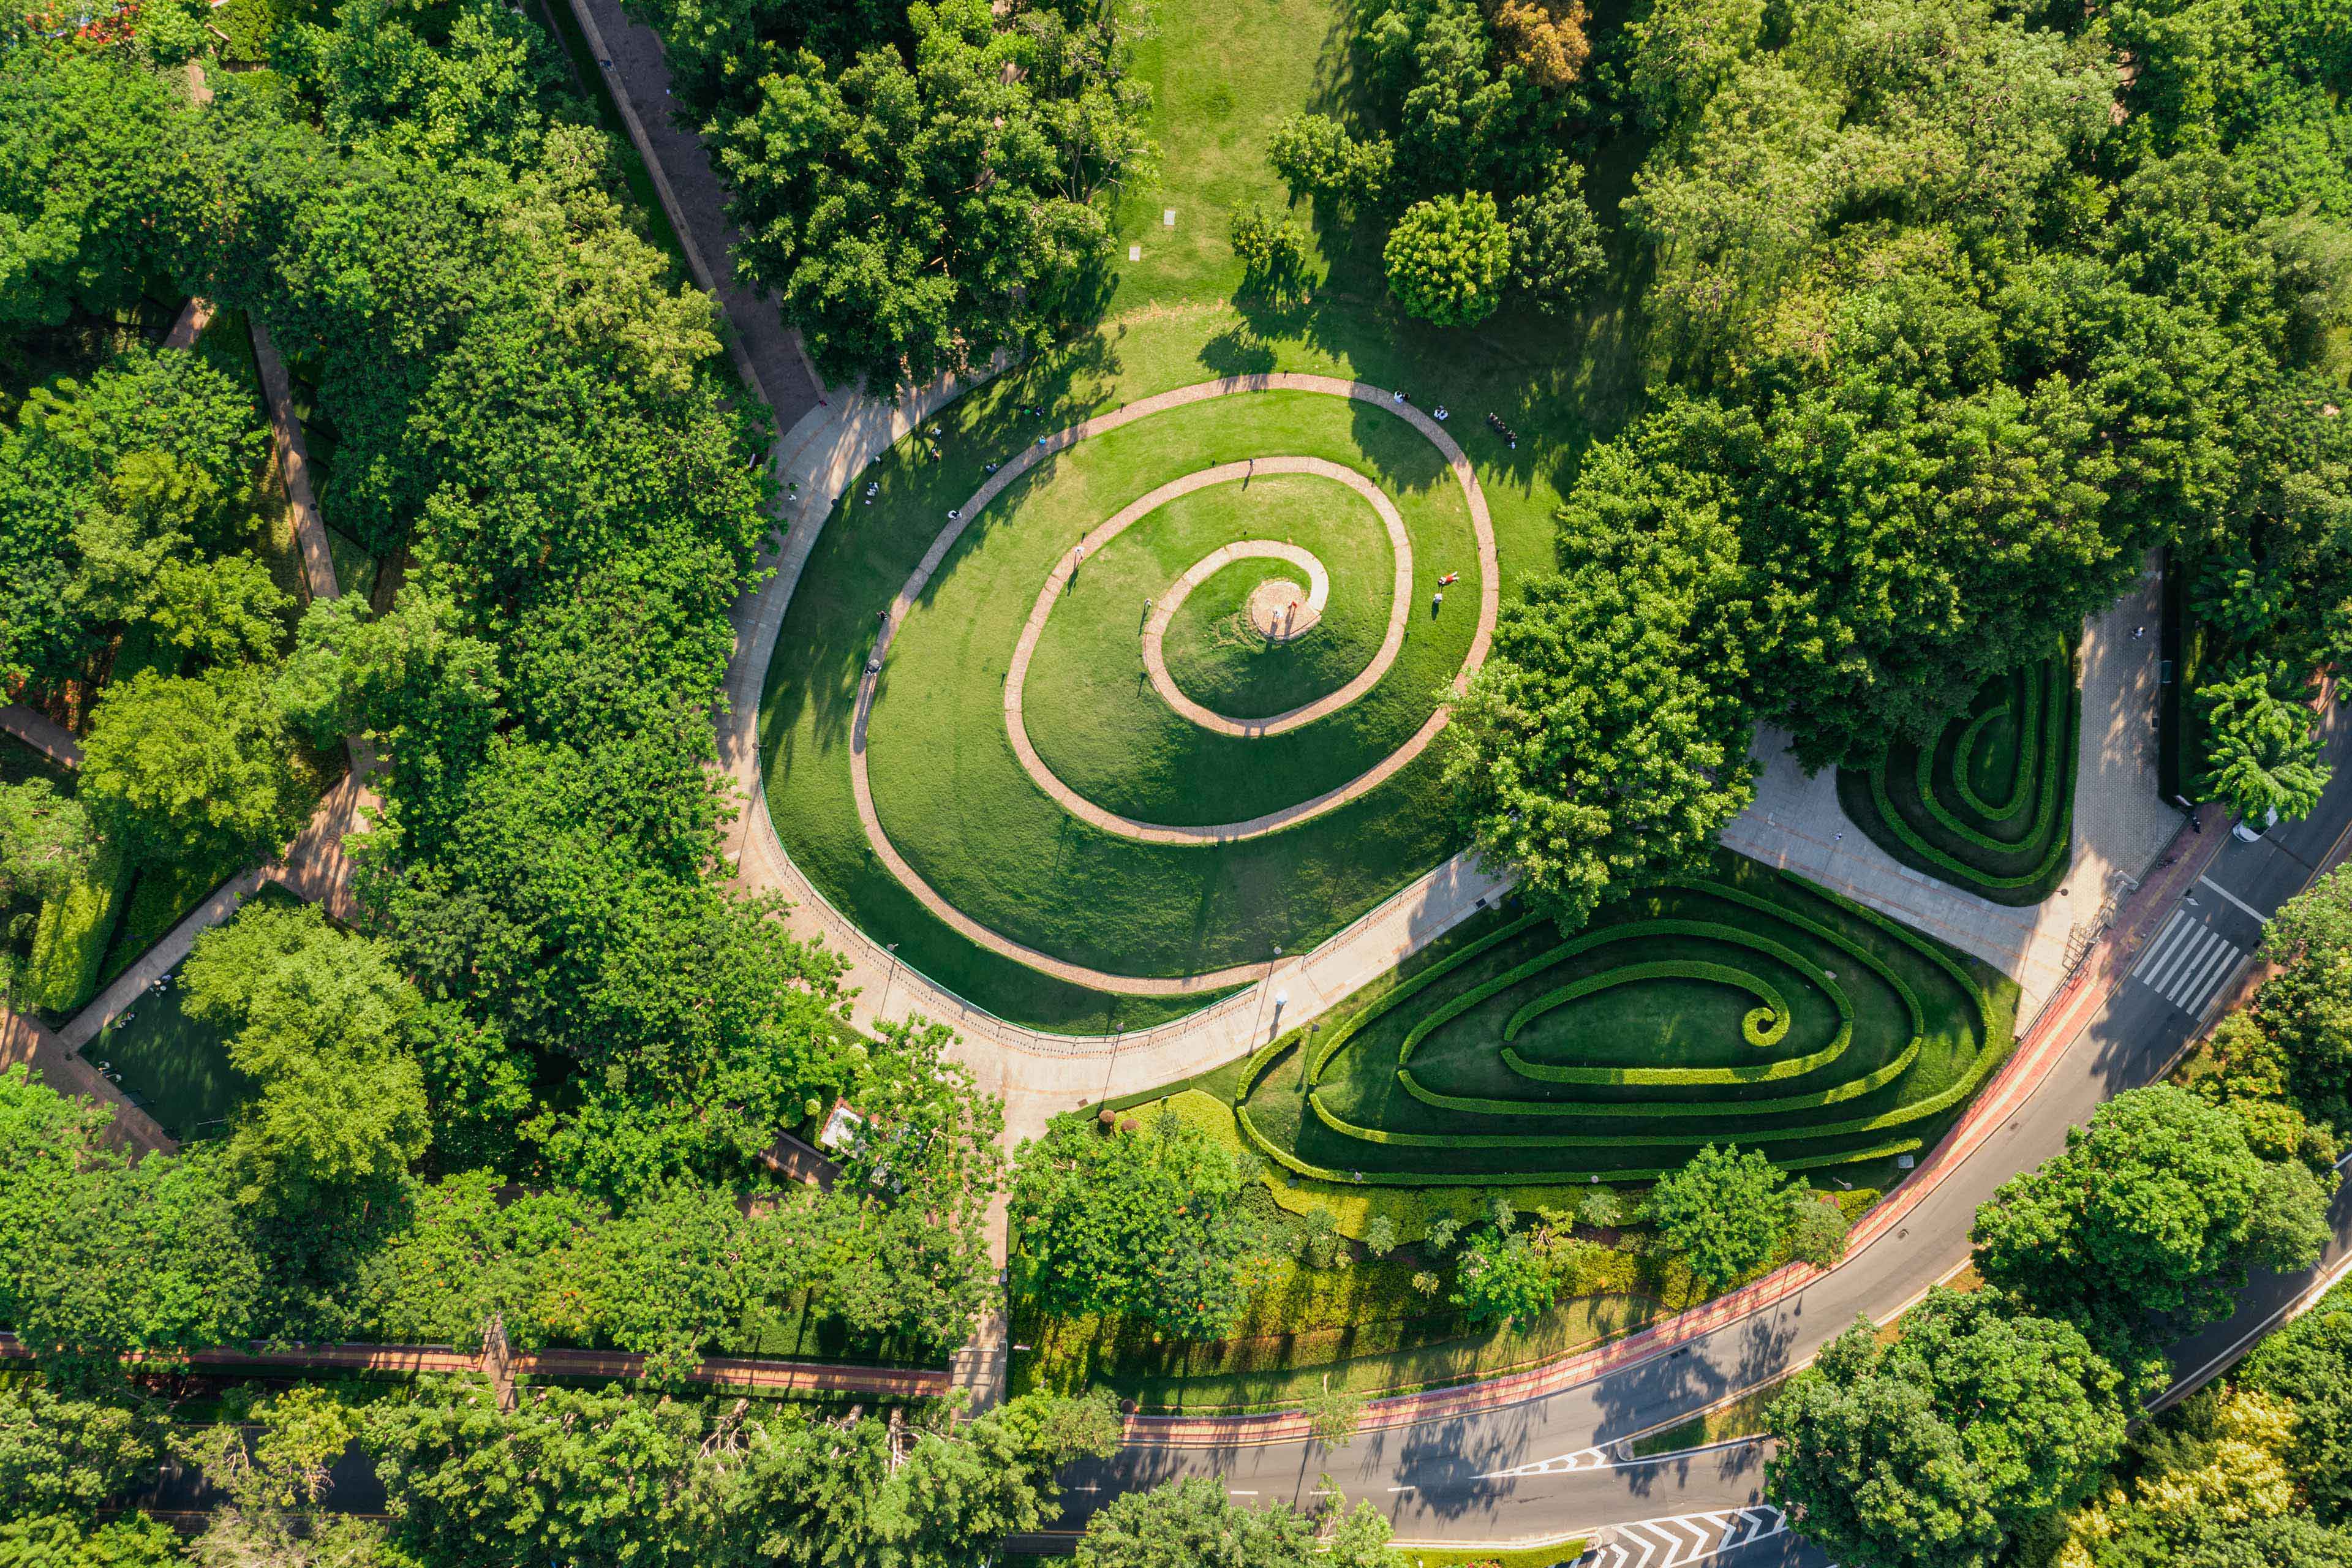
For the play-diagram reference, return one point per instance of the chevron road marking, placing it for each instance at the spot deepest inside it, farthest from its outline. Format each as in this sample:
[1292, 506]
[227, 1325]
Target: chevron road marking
[1606, 1458]
[1685, 1538]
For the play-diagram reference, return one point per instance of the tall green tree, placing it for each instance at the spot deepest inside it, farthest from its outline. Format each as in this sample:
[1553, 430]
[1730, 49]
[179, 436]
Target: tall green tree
[1191, 1523]
[1447, 258]
[1147, 1224]
[1605, 739]
[194, 767]
[2263, 756]
[326, 1027]
[1725, 1213]
[917, 219]
[2156, 1206]
[1931, 1452]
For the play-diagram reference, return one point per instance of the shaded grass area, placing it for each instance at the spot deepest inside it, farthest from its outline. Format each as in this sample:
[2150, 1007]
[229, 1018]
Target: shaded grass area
[176, 1067]
[1223, 72]
[1989, 806]
[1741, 1417]
[1364, 1349]
[1413, 1086]
[1498, 1556]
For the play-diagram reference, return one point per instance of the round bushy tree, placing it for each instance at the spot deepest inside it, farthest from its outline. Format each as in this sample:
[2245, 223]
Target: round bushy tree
[1556, 241]
[1930, 1451]
[2156, 1206]
[1147, 1223]
[1447, 258]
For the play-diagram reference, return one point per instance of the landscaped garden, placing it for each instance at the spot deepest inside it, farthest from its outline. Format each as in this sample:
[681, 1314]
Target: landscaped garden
[1989, 806]
[947, 785]
[1507, 1075]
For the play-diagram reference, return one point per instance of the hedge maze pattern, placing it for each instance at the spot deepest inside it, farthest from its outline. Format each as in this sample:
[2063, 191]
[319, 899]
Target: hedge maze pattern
[1744, 1006]
[1990, 807]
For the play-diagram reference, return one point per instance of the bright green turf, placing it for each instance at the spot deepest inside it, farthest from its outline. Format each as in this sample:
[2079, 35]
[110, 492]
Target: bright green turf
[1995, 816]
[1225, 72]
[1213, 653]
[937, 754]
[1663, 1023]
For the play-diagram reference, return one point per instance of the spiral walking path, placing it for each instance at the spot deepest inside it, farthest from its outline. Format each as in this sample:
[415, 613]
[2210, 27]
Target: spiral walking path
[1489, 610]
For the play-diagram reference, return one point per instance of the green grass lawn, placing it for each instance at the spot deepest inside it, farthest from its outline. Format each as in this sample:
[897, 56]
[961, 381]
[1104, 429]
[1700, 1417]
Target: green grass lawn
[947, 785]
[1990, 807]
[174, 1068]
[1516, 1056]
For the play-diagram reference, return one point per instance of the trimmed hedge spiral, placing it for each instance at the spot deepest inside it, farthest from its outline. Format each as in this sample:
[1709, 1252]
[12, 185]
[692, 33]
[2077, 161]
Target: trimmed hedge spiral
[1700, 1119]
[2043, 775]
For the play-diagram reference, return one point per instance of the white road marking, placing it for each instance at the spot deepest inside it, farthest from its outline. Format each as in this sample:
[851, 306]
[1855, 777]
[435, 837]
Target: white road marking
[2187, 963]
[2243, 907]
[1689, 1539]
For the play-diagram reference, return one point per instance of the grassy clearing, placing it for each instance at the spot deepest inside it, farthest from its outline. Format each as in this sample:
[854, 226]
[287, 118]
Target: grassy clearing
[1223, 72]
[1741, 1417]
[1989, 806]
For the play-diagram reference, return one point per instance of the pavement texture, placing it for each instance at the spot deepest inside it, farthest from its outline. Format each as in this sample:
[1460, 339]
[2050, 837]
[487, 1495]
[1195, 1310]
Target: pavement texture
[768, 354]
[2121, 825]
[41, 732]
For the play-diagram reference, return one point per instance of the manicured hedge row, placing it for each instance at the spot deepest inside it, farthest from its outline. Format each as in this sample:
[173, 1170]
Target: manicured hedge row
[2053, 705]
[1709, 929]
[1339, 1038]
[2026, 772]
[1878, 1078]
[70, 939]
[1313, 1172]
[2040, 747]
[1774, 1014]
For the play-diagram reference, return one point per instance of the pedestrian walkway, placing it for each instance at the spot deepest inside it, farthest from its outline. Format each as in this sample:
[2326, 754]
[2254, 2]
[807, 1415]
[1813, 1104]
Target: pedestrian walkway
[2121, 823]
[23, 1042]
[766, 352]
[42, 733]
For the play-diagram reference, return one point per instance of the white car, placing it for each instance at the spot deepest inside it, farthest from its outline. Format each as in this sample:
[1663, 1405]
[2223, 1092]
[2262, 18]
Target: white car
[2249, 833]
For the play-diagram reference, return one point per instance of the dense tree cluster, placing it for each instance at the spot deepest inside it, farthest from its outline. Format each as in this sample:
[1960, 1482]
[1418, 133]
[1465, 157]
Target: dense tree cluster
[570, 1475]
[1147, 1223]
[553, 983]
[1963, 317]
[1926, 1454]
[922, 185]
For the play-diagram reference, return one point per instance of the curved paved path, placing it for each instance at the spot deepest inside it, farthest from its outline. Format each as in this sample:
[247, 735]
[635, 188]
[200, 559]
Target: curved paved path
[879, 839]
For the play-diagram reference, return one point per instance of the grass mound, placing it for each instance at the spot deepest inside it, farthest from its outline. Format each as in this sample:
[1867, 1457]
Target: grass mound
[1990, 807]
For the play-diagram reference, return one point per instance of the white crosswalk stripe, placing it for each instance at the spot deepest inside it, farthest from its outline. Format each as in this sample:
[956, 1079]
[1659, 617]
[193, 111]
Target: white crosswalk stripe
[2188, 961]
[1685, 1540]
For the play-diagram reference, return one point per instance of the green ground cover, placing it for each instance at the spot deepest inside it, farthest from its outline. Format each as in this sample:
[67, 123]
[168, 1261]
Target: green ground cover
[947, 786]
[1216, 656]
[1990, 807]
[1614, 1055]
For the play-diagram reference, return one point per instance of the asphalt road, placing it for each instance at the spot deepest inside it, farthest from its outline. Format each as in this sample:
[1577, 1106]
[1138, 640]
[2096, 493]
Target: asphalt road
[1534, 1471]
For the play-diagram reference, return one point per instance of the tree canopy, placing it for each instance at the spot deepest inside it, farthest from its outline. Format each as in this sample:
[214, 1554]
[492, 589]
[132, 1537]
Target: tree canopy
[1930, 1451]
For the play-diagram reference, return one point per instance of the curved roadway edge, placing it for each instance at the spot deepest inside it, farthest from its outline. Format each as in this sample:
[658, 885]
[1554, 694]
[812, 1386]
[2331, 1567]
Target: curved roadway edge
[1539, 1457]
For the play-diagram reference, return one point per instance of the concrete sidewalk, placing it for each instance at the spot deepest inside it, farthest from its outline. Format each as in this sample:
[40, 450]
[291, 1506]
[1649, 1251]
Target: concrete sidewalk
[2121, 825]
